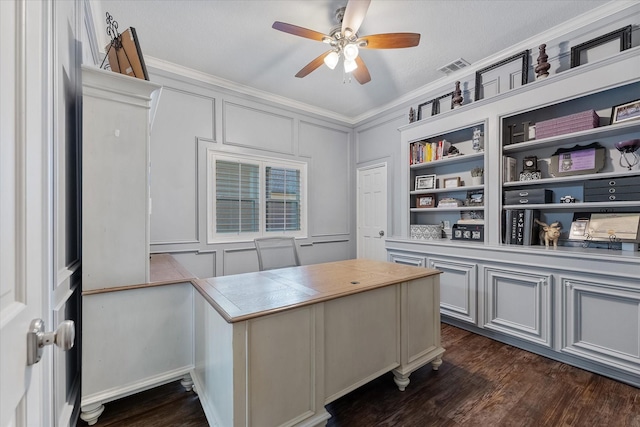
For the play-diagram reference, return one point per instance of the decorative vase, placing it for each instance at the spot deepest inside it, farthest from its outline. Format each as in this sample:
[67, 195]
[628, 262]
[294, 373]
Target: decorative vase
[476, 180]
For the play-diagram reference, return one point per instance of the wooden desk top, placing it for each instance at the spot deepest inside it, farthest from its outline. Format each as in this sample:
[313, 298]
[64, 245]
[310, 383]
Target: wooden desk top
[244, 296]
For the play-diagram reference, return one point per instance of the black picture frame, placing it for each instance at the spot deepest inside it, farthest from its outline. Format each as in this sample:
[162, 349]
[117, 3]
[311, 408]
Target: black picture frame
[435, 105]
[623, 34]
[523, 56]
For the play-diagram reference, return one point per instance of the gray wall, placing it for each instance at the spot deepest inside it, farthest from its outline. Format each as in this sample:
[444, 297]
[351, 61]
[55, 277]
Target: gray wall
[192, 117]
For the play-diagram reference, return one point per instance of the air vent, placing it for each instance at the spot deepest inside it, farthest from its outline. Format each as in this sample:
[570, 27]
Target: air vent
[454, 66]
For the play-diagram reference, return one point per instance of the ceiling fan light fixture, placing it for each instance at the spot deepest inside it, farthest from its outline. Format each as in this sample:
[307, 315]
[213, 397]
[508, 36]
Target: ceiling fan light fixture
[349, 65]
[350, 52]
[331, 60]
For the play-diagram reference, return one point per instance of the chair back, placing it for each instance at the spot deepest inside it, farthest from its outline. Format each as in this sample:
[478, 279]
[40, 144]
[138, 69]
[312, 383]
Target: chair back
[276, 252]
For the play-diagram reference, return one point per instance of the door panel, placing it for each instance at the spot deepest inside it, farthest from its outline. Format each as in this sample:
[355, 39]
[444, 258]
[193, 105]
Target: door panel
[372, 212]
[23, 210]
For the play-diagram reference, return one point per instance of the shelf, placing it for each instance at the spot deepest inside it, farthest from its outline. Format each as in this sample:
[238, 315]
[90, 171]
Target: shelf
[575, 137]
[572, 178]
[449, 160]
[575, 206]
[447, 190]
[448, 209]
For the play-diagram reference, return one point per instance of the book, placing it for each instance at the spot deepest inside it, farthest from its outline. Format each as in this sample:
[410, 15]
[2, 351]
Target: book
[520, 226]
[530, 227]
[509, 169]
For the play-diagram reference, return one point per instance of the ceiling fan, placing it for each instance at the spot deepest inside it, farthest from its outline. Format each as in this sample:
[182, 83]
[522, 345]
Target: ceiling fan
[344, 41]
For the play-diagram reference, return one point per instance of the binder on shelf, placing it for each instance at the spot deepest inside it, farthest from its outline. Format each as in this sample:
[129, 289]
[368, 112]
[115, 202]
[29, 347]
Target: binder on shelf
[520, 227]
[530, 227]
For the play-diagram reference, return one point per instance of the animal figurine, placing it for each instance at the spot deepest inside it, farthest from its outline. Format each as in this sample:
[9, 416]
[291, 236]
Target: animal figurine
[549, 233]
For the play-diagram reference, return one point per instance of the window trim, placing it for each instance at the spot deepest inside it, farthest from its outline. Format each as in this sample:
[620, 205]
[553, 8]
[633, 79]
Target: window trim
[213, 236]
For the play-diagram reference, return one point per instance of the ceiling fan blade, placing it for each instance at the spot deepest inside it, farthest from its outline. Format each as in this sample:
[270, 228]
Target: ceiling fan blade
[361, 73]
[390, 41]
[354, 15]
[298, 31]
[311, 66]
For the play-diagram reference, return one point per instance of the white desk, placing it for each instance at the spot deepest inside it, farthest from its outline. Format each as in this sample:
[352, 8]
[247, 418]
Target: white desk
[273, 348]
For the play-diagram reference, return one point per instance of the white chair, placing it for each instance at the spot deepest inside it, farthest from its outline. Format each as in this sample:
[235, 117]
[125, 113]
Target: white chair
[276, 252]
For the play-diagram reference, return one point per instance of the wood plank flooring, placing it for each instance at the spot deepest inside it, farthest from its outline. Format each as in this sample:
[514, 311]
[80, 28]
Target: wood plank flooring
[481, 383]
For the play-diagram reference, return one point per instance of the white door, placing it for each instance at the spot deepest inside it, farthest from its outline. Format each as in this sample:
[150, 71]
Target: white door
[23, 210]
[372, 212]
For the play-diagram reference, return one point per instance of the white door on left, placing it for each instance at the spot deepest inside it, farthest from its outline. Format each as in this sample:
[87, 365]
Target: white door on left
[24, 207]
[372, 212]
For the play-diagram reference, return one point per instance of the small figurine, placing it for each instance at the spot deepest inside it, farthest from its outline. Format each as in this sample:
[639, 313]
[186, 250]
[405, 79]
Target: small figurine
[567, 199]
[549, 233]
[412, 115]
[542, 69]
[478, 140]
[457, 96]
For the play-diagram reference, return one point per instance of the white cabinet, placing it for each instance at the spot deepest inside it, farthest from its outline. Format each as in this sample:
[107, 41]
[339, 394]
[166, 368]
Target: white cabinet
[600, 320]
[518, 303]
[115, 179]
[117, 327]
[458, 288]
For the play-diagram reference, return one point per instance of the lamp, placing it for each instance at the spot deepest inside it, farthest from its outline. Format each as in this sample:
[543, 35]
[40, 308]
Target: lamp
[350, 52]
[331, 60]
[349, 65]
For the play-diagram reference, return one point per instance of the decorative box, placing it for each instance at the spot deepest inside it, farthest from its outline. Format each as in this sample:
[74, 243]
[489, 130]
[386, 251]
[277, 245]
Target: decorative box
[469, 232]
[426, 232]
[567, 124]
[530, 175]
[529, 196]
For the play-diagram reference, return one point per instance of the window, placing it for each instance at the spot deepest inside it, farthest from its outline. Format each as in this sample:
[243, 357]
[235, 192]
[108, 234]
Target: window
[254, 196]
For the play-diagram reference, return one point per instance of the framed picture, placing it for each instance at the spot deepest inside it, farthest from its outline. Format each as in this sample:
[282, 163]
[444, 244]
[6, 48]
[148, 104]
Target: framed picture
[425, 201]
[451, 182]
[522, 56]
[425, 182]
[579, 53]
[125, 56]
[432, 107]
[625, 112]
[577, 160]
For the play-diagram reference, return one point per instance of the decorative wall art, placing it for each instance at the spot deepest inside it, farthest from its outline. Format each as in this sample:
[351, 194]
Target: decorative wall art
[522, 56]
[579, 53]
[123, 52]
[625, 112]
[434, 104]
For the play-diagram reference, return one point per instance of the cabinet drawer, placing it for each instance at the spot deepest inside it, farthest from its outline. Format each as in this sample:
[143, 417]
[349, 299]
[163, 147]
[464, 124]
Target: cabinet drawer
[528, 196]
[614, 196]
[626, 181]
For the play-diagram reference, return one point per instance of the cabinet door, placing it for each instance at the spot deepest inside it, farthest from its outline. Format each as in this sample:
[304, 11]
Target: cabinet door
[458, 289]
[601, 321]
[518, 303]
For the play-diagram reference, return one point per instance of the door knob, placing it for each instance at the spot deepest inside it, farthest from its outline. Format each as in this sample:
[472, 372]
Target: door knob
[381, 233]
[37, 338]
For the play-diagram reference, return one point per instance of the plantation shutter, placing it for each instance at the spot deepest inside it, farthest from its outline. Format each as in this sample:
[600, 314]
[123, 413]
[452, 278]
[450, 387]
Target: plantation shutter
[237, 197]
[282, 199]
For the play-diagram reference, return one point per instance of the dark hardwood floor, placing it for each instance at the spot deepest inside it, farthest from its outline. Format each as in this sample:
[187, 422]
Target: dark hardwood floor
[481, 383]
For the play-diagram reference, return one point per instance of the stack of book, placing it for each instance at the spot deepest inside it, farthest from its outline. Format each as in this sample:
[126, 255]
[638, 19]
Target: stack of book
[521, 227]
[425, 151]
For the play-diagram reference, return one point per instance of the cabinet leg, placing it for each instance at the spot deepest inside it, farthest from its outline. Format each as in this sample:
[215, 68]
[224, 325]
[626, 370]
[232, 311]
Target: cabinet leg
[90, 413]
[436, 363]
[401, 380]
[187, 382]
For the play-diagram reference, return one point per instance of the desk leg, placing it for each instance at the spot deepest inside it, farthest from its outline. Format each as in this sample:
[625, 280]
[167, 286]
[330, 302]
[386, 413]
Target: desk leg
[436, 363]
[401, 380]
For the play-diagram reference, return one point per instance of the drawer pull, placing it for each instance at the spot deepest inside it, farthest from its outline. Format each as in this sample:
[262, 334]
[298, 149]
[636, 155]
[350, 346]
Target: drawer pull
[612, 197]
[612, 183]
[524, 201]
[612, 190]
[523, 193]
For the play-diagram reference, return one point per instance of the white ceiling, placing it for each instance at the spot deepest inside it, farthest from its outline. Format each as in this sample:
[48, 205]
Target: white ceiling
[234, 41]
